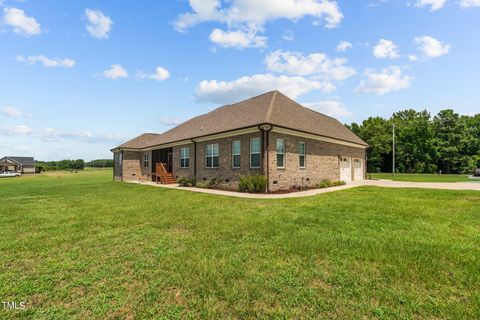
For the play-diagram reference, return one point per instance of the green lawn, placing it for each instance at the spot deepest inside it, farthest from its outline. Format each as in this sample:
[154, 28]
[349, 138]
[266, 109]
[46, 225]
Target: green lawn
[424, 177]
[80, 246]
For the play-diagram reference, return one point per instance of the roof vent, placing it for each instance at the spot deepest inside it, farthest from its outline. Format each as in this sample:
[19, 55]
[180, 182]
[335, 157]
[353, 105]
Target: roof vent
[201, 128]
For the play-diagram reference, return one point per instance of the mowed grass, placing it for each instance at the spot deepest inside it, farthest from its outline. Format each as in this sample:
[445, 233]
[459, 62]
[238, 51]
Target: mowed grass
[79, 246]
[424, 177]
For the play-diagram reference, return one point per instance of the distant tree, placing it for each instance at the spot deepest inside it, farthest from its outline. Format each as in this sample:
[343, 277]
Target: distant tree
[449, 130]
[78, 164]
[414, 141]
[449, 142]
[100, 163]
[61, 165]
[377, 132]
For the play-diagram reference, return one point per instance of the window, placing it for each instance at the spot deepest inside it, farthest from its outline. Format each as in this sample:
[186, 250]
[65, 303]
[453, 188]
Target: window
[211, 156]
[301, 154]
[184, 157]
[236, 158]
[146, 160]
[280, 153]
[255, 153]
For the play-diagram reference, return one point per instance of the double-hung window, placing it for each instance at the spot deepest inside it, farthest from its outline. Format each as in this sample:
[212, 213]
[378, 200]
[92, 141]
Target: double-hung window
[184, 157]
[255, 153]
[236, 157]
[146, 160]
[301, 155]
[280, 153]
[211, 156]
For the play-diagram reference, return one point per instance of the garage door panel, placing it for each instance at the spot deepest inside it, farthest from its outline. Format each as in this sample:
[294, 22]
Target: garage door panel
[345, 169]
[358, 169]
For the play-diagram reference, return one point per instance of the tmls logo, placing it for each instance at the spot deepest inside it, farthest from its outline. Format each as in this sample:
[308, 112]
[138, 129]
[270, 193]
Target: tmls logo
[14, 305]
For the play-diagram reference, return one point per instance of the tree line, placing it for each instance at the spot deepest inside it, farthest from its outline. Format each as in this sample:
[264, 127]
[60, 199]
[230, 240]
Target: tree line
[100, 163]
[68, 164]
[446, 143]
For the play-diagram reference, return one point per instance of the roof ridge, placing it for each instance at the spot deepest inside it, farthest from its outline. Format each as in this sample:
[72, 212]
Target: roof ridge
[270, 107]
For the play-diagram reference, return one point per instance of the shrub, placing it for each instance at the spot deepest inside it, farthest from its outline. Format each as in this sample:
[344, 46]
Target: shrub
[39, 168]
[252, 184]
[325, 183]
[213, 183]
[186, 182]
[202, 184]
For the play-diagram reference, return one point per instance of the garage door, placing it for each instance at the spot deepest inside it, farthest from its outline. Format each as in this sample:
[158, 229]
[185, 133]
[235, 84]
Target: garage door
[357, 169]
[345, 169]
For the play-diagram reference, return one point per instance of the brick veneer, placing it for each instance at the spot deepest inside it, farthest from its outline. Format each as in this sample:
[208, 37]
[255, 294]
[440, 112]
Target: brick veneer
[133, 168]
[224, 170]
[321, 161]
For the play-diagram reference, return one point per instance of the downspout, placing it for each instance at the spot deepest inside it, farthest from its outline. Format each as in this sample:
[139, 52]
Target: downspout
[265, 146]
[121, 166]
[194, 158]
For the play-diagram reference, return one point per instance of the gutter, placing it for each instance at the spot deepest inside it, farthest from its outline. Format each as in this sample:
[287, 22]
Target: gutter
[265, 129]
[194, 158]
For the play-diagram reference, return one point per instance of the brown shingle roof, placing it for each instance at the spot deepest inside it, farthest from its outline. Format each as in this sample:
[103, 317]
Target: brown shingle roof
[270, 108]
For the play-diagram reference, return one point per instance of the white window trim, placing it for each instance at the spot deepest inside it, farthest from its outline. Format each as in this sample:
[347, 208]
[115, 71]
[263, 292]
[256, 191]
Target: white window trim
[251, 153]
[182, 157]
[146, 160]
[212, 156]
[236, 154]
[277, 153]
[304, 155]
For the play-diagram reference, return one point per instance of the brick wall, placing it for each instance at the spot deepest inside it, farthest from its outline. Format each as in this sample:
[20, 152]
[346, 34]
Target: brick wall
[225, 170]
[133, 168]
[321, 161]
[182, 172]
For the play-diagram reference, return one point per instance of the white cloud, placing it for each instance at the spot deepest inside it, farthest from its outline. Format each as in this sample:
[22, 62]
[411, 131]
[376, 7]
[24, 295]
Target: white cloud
[12, 112]
[433, 4]
[54, 135]
[317, 64]
[237, 39]
[388, 80]
[223, 92]
[385, 49]
[47, 62]
[99, 25]
[288, 35]
[20, 22]
[332, 108]
[432, 47]
[116, 71]
[17, 130]
[412, 57]
[160, 74]
[469, 3]
[344, 46]
[256, 13]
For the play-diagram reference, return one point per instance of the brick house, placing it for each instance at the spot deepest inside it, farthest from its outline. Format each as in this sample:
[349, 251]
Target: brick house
[17, 164]
[269, 134]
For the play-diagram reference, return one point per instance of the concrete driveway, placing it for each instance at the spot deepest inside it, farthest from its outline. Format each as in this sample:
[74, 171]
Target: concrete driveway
[423, 185]
[375, 183]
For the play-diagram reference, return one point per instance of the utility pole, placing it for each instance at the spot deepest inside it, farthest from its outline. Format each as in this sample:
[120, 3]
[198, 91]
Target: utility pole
[393, 148]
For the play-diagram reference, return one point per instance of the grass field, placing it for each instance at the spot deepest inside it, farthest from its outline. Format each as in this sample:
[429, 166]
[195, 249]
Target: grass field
[424, 177]
[80, 246]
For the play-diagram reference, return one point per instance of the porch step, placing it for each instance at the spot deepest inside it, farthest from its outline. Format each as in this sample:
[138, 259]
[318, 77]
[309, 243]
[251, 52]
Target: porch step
[170, 179]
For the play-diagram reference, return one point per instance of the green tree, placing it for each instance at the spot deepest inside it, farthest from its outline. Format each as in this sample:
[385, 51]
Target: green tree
[449, 131]
[414, 136]
[377, 133]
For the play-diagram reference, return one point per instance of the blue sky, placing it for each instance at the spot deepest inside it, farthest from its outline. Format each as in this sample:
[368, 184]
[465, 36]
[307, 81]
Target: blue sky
[79, 77]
